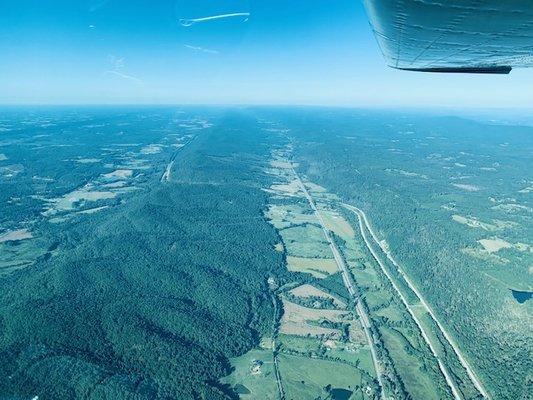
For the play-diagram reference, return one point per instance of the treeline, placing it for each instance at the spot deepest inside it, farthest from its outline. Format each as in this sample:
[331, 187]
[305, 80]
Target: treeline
[150, 299]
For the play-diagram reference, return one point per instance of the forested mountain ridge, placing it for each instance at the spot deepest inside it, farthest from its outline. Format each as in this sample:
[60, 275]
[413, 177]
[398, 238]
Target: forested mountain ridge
[149, 298]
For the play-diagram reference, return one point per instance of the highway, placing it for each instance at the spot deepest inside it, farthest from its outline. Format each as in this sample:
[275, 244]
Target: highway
[363, 219]
[343, 268]
[166, 174]
[281, 392]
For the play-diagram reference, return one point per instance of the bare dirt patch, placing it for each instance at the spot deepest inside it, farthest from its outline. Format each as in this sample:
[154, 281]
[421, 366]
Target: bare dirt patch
[495, 244]
[469, 188]
[119, 174]
[13, 236]
[295, 320]
[281, 164]
[152, 149]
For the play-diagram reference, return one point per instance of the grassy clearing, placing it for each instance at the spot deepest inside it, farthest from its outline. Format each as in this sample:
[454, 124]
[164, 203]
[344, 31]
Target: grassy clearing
[251, 385]
[310, 290]
[305, 345]
[318, 267]
[377, 298]
[286, 215]
[118, 174]
[290, 189]
[13, 236]
[337, 224]
[282, 164]
[18, 255]
[354, 354]
[296, 320]
[306, 241]
[494, 245]
[70, 201]
[365, 278]
[306, 378]
[418, 382]
[391, 313]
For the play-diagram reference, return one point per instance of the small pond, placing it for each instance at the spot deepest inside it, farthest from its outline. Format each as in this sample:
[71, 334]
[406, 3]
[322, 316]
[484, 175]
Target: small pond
[521, 296]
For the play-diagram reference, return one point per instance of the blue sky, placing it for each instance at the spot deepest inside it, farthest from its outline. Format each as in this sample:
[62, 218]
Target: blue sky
[285, 52]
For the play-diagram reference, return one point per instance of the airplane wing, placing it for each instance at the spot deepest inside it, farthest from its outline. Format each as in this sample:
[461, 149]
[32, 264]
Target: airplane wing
[476, 36]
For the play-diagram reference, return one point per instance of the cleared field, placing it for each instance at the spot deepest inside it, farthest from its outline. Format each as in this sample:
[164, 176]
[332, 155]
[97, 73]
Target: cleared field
[468, 188]
[250, 384]
[13, 236]
[68, 202]
[313, 187]
[318, 267]
[21, 255]
[365, 277]
[473, 222]
[391, 313]
[296, 318]
[301, 344]
[310, 290]
[352, 353]
[287, 189]
[494, 245]
[338, 225]
[286, 215]
[306, 241]
[308, 378]
[282, 164]
[152, 149]
[377, 298]
[118, 174]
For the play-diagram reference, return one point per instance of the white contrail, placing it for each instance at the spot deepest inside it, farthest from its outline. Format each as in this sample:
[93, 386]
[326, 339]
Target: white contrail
[192, 21]
[201, 49]
[124, 76]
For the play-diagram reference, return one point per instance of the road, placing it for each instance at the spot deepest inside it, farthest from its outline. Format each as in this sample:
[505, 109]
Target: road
[363, 219]
[166, 175]
[281, 392]
[343, 268]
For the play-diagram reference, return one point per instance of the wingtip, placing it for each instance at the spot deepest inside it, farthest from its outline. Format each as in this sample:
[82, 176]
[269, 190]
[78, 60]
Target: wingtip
[497, 69]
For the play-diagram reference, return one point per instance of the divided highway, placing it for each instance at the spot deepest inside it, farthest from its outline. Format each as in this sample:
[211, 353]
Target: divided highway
[363, 220]
[168, 169]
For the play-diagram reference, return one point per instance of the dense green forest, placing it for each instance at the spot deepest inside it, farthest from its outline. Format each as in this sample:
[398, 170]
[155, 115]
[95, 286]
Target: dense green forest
[149, 298]
[135, 250]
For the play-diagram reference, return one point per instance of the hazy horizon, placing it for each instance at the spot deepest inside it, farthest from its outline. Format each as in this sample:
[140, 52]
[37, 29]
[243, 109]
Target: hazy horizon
[137, 53]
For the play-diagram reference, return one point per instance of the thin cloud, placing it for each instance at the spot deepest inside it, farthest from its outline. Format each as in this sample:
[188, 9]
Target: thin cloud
[97, 4]
[201, 49]
[192, 21]
[117, 67]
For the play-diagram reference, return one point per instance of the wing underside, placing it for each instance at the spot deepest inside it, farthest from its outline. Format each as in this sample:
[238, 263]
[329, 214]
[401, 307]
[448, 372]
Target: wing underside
[476, 36]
